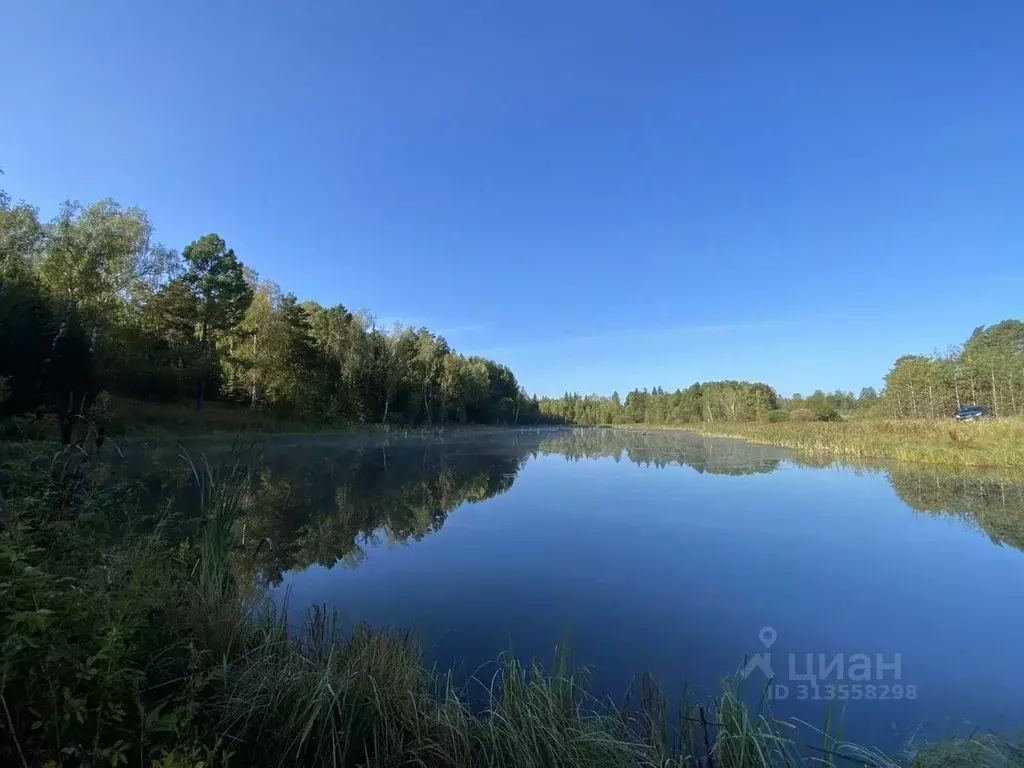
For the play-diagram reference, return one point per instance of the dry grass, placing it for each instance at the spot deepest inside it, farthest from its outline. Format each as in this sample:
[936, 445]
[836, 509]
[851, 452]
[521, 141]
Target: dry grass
[992, 443]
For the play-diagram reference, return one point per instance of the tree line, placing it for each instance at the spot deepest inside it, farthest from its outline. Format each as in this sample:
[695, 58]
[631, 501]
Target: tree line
[987, 369]
[703, 402]
[708, 401]
[89, 303]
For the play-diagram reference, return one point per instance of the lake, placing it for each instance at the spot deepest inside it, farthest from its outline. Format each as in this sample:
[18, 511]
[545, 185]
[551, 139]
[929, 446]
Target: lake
[670, 553]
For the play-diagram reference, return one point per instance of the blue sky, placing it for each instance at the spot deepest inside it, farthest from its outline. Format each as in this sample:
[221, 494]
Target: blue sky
[600, 194]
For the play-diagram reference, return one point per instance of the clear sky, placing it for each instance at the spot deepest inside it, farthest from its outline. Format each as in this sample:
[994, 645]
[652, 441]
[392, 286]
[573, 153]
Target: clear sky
[600, 194]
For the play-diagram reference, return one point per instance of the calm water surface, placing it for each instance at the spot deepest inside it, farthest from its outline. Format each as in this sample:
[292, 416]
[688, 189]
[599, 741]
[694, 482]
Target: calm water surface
[667, 553]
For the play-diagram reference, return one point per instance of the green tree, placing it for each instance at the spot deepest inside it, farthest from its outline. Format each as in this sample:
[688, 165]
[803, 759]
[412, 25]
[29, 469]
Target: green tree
[28, 329]
[253, 358]
[215, 277]
[428, 364]
[169, 320]
[21, 237]
[996, 361]
[97, 258]
[298, 366]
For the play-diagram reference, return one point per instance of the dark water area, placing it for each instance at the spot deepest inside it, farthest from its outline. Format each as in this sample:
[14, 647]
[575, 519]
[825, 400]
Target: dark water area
[896, 591]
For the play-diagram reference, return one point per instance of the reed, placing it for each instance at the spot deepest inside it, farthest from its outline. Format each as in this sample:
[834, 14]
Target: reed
[991, 443]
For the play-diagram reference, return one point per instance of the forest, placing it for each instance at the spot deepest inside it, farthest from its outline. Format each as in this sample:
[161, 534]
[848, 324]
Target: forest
[92, 308]
[987, 369]
[90, 304]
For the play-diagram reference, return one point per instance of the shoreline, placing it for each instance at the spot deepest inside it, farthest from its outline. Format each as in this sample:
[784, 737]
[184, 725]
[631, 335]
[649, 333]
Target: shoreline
[989, 445]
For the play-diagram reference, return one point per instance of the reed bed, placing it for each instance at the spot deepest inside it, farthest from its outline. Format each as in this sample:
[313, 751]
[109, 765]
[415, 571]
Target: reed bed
[989, 443]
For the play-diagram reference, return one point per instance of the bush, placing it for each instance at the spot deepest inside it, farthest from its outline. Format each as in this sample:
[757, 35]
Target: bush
[777, 416]
[803, 414]
[89, 609]
[815, 414]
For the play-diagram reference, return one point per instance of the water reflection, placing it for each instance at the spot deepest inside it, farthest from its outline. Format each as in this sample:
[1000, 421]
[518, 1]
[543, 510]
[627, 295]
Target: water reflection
[663, 552]
[991, 503]
[325, 502]
[317, 507]
[664, 449]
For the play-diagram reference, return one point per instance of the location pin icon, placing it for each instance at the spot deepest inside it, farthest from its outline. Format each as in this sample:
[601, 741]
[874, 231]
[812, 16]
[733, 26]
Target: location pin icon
[767, 636]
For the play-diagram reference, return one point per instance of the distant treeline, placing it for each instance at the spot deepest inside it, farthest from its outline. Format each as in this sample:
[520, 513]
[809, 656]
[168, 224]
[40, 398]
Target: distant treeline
[88, 303]
[987, 369]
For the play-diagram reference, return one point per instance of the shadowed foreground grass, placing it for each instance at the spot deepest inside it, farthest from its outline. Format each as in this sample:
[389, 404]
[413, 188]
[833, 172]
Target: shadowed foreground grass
[136, 417]
[123, 648]
[991, 443]
[163, 419]
[174, 420]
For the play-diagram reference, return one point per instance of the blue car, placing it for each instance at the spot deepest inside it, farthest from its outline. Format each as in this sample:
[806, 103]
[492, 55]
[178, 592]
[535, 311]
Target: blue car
[972, 413]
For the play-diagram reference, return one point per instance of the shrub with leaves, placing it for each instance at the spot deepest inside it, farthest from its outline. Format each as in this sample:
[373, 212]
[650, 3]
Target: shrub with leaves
[88, 609]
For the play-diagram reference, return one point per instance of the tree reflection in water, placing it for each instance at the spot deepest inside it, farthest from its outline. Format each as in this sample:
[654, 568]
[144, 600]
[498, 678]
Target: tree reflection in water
[322, 502]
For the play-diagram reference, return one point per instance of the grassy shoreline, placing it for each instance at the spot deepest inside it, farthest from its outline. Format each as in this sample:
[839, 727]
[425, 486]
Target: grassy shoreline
[123, 647]
[994, 443]
[134, 420]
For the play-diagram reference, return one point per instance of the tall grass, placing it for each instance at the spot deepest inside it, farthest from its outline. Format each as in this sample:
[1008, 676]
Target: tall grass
[367, 699]
[991, 443]
[220, 608]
